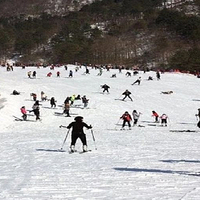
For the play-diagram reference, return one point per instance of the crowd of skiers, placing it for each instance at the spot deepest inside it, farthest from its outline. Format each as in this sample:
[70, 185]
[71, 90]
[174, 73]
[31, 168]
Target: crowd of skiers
[129, 119]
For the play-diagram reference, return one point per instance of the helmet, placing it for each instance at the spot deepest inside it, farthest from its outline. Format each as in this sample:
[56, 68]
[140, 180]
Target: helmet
[78, 118]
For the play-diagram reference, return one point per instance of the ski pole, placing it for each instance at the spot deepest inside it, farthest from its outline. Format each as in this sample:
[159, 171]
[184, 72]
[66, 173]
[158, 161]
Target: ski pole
[117, 123]
[61, 126]
[93, 139]
[65, 139]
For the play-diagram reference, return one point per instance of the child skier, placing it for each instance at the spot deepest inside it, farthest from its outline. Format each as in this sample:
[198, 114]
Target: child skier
[77, 132]
[24, 113]
[163, 118]
[155, 114]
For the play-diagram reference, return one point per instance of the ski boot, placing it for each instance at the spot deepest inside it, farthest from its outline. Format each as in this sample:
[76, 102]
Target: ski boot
[84, 148]
[72, 148]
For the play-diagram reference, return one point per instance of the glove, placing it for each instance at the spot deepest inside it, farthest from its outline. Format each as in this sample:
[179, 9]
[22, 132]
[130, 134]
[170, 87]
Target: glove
[90, 127]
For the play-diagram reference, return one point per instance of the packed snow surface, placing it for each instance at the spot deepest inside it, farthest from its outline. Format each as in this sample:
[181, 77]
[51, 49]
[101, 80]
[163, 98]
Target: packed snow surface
[148, 162]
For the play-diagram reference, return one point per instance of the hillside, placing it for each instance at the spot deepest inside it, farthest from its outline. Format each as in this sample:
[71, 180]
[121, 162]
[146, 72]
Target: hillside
[34, 8]
[146, 162]
[119, 32]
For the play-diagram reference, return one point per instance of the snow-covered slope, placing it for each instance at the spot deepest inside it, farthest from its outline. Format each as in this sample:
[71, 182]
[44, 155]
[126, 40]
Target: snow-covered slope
[145, 163]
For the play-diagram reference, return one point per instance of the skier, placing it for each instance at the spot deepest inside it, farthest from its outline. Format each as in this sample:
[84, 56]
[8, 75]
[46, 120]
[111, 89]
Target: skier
[77, 132]
[43, 96]
[126, 119]
[198, 115]
[58, 74]
[34, 96]
[128, 74]
[87, 71]
[71, 73]
[15, 92]
[66, 108]
[155, 114]
[158, 75]
[24, 113]
[163, 118]
[49, 74]
[85, 101]
[36, 110]
[127, 94]
[100, 72]
[34, 74]
[72, 99]
[29, 74]
[137, 81]
[78, 97]
[113, 76]
[135, 117]
[67, 100]
[105, 87]
[53, 102]
[150, 78]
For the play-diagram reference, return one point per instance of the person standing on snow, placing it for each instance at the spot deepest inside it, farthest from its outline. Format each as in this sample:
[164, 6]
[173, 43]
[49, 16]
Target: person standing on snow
[24, 113]
[34, 74]
[29, 74]
[77, 132]
[70, 74]
[155, 114]
[53, 102]
[163, 118]
[127, 94]
[126, 119]
[58, 74]
[135, 117]
[36, 110]
[72, 99]
[66, 108]
[105, 87]
[43, 96]
[158, 75]
[85, 101]
[198, 115]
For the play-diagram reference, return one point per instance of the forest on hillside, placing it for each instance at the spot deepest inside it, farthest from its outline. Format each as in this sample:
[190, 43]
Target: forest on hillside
[117, 32]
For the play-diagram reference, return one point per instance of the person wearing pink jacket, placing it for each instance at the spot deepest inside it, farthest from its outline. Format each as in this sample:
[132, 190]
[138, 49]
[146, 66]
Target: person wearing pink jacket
[24, 112]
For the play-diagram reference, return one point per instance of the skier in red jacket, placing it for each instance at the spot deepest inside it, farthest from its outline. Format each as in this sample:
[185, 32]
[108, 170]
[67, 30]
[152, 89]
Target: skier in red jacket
[126, 119]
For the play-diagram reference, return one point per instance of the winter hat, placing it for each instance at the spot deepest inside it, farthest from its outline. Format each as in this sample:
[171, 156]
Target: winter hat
[78, 118]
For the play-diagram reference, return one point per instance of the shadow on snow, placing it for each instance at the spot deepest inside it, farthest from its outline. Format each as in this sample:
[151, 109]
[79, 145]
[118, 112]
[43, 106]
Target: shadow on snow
[50, 150]
[158, 171]
[177, 161]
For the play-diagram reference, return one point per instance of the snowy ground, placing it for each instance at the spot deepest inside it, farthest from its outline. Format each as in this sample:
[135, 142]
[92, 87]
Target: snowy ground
[145, 163]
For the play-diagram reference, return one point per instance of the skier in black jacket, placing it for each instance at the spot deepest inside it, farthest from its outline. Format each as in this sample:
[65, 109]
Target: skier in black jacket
[105, 88]
[36, 110]
[127, 94]
[53, 102]
[77, 132]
